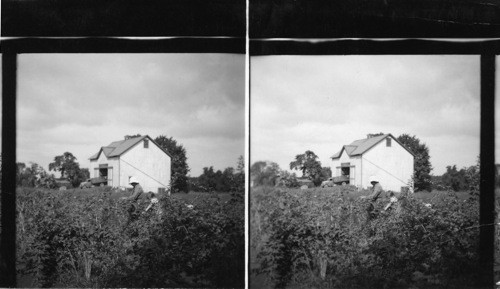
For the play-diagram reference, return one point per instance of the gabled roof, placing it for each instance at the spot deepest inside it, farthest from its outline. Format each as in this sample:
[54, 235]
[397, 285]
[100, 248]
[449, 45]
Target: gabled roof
[358, 147]
[117, 148]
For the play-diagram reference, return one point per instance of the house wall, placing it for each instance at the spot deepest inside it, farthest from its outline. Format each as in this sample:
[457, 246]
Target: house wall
[354, 161]
[392, 165]
[111, 162]
[151, 167]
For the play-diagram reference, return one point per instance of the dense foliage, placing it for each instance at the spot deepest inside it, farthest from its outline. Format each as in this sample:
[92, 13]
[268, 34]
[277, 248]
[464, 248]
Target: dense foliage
[34, 176]
[309, 165]
[180, 168]
[77, 239]
[229, 180]
[69, 168]
[465, 179]
[422, 165]
[322, 238]
[264, 173]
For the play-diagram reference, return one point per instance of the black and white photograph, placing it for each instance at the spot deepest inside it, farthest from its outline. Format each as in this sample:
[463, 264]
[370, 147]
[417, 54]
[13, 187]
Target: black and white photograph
[254, 144]
[130, 170]
[364, 171]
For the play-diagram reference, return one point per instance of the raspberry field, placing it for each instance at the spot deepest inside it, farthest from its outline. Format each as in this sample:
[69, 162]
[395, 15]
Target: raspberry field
[321, 238]
[81, 238]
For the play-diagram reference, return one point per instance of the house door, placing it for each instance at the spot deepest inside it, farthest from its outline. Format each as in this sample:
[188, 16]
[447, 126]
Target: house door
[348, 172]
[103, 172]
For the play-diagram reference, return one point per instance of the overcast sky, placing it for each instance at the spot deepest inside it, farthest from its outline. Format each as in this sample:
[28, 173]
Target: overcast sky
[80, 102]
[320, 103]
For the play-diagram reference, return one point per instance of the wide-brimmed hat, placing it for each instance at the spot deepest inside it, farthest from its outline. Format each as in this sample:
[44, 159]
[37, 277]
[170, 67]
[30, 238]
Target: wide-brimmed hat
[133, 180]
[373, 179]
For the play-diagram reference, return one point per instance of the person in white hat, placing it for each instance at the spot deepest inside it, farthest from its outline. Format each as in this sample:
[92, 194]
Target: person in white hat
[137, 189]
[376, 193]
[376, 189]
[137, 192]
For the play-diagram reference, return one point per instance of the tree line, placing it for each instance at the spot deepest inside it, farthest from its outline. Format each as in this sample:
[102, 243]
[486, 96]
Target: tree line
[228, 180]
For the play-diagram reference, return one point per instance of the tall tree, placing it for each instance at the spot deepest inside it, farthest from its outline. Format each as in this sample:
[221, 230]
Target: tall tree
[69, 168]
[239, 177]
[422, 164]
[64, 163]
[307, 163]
[240, 166]
[180, 168]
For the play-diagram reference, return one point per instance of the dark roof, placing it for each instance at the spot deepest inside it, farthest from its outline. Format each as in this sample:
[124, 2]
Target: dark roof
[117, 148]
[359, 147]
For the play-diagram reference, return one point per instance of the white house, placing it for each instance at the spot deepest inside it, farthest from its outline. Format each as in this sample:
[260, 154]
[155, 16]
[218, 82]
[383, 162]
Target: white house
[140, 157]
[382, 156]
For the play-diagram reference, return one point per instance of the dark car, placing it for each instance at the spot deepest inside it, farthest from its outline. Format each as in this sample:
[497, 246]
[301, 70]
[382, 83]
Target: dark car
[341, 180]
[94, 182]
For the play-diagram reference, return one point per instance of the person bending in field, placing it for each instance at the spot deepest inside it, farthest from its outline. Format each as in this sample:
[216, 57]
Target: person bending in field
[137, 192]
[377, 192]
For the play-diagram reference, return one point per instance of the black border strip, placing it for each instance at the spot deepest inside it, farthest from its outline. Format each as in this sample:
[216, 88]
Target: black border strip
[8, 193]
[374, 18]
[372, 46]
[150, 18]
[487, 169]
[123, 45]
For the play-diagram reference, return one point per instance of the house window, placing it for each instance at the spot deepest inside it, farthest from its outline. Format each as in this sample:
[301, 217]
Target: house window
[388, 142]
[146, 143]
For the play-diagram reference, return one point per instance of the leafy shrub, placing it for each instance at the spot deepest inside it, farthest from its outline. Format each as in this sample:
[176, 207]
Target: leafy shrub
[67, 239]
[323, 238]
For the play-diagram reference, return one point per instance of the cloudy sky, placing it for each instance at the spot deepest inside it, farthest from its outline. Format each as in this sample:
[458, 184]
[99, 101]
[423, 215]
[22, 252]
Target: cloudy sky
[80, 102]
[320, 103]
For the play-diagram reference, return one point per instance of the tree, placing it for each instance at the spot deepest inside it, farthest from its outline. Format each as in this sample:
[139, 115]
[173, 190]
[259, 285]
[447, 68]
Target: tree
[69, 168]
[239, 177]
[207, 180]
[455, 179]
[309, 165]
[472, 178]
[326, 173]
[422, 165]
[287, 180]
[34, 176]
[240, 166]
[264, 173]
[180, 168]
[65, 163]
[83, 174]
